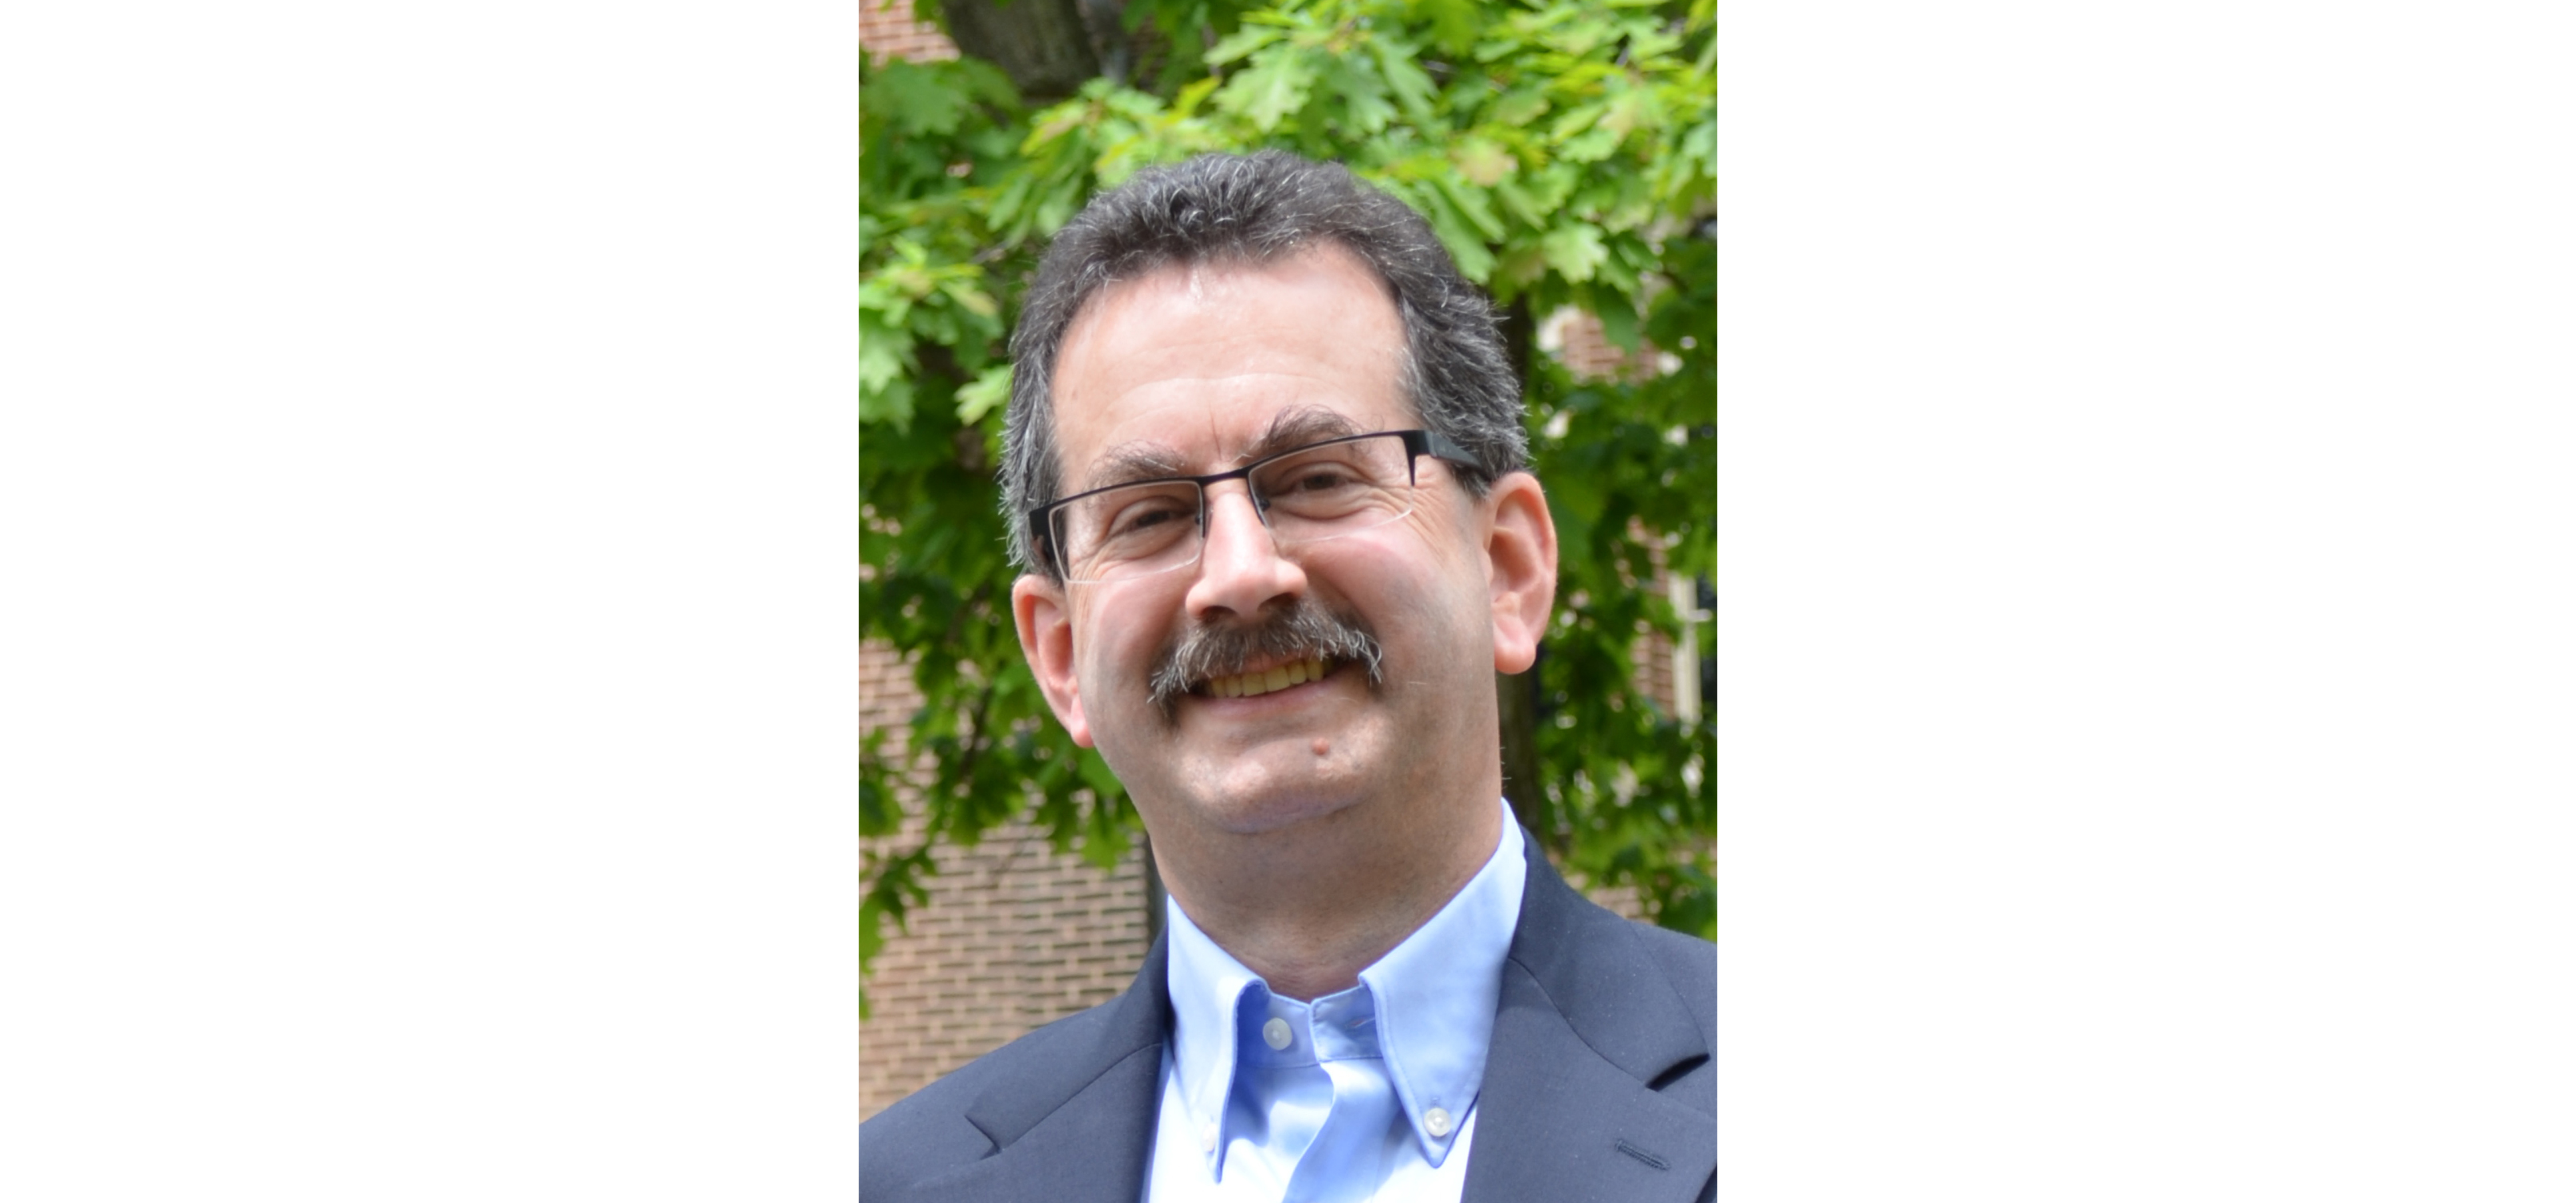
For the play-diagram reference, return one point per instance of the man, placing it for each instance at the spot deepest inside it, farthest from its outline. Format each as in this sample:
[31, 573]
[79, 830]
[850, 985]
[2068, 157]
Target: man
[1266, 473]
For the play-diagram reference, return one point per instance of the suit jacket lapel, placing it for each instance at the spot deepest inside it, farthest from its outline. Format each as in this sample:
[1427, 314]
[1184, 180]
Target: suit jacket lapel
[1079, 1128]
[1585, 1022]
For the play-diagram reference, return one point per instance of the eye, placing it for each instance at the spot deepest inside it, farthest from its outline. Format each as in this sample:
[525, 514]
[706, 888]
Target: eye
[1146, 515]
[1324, 470]
[1317, 478]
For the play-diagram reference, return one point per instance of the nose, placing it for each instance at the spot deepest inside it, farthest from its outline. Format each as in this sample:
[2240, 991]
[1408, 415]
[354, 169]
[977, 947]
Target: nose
[1240, 569]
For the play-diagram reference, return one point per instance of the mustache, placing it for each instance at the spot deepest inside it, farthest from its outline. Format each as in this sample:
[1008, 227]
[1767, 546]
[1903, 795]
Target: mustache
[1299, 630]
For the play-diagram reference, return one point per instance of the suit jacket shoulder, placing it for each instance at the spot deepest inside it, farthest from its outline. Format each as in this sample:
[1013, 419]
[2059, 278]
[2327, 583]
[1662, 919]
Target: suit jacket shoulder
[1601, 1081]
[1072, 1102]
[1690, 964]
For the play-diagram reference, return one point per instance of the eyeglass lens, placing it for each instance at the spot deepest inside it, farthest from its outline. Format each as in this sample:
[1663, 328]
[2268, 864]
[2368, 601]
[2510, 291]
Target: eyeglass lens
[1305, 496]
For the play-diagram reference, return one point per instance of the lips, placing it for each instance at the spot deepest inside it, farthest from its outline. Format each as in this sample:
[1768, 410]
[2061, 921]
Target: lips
[1265, 680]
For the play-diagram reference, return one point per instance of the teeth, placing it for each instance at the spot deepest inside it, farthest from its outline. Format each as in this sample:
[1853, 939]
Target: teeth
[1253, 684]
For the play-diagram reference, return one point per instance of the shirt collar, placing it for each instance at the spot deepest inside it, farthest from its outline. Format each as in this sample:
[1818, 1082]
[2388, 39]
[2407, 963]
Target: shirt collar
[1433, 994]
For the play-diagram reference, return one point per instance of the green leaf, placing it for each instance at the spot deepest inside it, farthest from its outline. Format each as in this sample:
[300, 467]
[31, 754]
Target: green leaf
[1590, 148]
[1362, 94]
[1522, 204]
[1474, 204]
[1618, 322]
[1579, 37]
[914, 99]
[983, 394]
[1454, 23]
[1268, 90]
[1187, 101]
[1240, 43]
[1455, 232]
[881, 354]
[1519, 107]
[890, 405]
[1518, 268]
[1411, 85]
[1482, 163]
[1057, 208]
[1574, 251]
[974, 299]
[1574, 121]
[1537, 197]
[1632, 108]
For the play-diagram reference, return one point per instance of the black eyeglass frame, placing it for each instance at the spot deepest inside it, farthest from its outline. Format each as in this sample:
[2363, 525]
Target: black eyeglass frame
[1417, 443]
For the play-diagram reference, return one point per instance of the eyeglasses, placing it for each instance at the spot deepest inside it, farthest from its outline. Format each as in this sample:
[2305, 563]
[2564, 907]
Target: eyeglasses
[1316, 492]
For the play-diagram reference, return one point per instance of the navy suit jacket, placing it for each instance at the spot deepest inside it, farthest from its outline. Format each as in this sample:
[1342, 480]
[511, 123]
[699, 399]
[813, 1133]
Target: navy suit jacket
[1600, 1082]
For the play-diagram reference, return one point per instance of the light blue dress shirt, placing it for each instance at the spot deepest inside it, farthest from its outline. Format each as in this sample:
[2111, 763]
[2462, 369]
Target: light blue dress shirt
[1369, 1093]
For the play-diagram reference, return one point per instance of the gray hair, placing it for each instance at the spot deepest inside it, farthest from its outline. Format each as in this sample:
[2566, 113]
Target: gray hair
[1258, 209]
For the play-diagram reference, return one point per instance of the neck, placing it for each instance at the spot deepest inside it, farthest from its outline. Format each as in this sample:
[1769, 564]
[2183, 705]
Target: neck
[1311, 905]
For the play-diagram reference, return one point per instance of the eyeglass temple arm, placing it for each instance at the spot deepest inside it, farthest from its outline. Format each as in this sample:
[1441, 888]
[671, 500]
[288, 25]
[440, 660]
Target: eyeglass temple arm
[1434, 443]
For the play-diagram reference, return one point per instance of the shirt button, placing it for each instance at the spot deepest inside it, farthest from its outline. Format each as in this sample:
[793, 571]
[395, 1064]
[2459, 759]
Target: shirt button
[1275, 1033]
[1437, 1120]
[1207, 1139]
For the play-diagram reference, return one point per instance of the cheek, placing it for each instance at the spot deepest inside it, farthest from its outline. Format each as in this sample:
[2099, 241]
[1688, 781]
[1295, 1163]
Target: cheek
[1115, 645]
[1427, 614]
[1427, 570]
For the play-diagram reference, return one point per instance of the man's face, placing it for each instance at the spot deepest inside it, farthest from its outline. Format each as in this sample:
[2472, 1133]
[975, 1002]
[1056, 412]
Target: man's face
[1202, 370]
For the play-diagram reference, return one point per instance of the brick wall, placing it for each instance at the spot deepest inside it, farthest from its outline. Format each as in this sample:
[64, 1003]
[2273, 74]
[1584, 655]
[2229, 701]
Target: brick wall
[1575, 338]
[1014, 936]
[888, 31]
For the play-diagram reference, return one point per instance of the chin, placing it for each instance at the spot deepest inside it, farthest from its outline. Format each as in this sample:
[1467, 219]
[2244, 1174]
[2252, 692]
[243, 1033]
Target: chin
[1260, 815]
[1255, 791]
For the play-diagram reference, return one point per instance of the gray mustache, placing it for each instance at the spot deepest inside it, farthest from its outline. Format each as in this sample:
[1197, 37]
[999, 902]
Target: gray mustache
[1222, 650]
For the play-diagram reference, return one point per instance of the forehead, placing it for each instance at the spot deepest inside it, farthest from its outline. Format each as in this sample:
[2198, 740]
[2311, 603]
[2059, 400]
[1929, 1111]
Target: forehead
[1195, 364]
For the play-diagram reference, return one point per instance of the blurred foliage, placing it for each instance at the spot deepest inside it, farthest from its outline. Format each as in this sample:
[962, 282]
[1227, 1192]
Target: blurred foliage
[1563, 150]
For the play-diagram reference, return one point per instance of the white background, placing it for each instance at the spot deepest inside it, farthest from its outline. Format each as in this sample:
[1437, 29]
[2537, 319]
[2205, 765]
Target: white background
[2146, 617]
[427, 508]
[427, 646]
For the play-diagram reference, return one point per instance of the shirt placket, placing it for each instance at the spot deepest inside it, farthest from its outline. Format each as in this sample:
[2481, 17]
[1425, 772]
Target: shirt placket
[1348, 1157]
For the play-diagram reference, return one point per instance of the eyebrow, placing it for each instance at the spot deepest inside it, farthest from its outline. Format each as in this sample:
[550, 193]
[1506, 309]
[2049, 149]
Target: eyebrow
[1293, 428]
[1142, 459]
[1135, 461]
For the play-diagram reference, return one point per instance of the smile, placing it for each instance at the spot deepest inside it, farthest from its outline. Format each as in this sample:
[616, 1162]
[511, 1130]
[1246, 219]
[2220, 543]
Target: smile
[1265, 680]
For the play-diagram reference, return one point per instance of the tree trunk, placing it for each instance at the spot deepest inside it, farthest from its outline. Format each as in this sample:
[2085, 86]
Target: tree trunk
[1042, 45]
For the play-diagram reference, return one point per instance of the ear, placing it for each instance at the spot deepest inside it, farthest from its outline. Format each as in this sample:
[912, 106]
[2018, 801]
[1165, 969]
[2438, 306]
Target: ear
[1045, 620]
[1520, 552]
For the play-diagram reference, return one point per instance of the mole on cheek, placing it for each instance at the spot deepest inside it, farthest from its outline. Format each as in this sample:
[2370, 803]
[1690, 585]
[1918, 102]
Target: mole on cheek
[1322, 747]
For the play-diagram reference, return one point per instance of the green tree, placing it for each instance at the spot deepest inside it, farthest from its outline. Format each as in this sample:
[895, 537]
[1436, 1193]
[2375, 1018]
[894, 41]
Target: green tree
[1563, 150]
